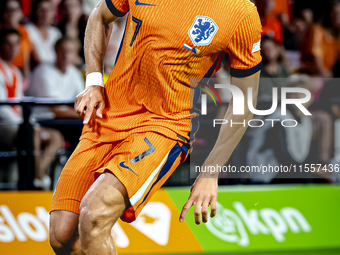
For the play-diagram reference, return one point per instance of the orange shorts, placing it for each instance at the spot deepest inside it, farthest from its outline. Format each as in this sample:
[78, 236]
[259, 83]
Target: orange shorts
[142, 162]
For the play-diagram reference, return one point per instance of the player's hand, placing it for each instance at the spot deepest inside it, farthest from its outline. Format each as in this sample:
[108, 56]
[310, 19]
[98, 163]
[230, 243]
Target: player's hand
[88, 101]
[203, 194]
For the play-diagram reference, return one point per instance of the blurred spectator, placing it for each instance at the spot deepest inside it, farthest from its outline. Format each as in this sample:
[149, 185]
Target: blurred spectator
[330, 104]
[272, 69]
[320, 48]
[270, 26]
[56, 2]
[26, 7]
[10, 75]
[10, 17]
[281, 12]
[89, 5]
[60, 81]
[46, 141]
[293, 35]
[42, 34]
[309, 10]
[277, 145]
[295, 31]
[73, 23]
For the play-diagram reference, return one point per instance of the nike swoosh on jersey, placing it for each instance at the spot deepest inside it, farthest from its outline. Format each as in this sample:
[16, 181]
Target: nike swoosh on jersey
[122, 165]
[139, 3]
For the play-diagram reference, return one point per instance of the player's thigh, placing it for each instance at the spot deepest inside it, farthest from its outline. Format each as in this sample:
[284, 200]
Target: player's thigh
[78, 175]
[102, 206]
[143, 162]
[107, 190]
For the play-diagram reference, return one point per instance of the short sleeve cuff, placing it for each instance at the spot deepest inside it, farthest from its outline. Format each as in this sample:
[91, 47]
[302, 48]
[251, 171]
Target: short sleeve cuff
[240, 73]
[114, 10]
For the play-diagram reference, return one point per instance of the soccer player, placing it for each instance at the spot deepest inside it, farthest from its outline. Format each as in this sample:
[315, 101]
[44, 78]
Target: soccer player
[140, 126]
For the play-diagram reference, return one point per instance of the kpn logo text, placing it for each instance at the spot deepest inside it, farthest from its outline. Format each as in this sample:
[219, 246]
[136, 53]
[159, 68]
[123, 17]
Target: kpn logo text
[239, 225]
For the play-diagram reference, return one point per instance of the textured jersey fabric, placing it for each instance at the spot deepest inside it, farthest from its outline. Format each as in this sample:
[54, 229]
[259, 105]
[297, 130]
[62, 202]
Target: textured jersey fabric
[149, 88]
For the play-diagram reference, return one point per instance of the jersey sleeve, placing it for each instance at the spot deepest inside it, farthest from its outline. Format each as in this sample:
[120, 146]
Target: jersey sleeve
[244, 47]
[118, 7]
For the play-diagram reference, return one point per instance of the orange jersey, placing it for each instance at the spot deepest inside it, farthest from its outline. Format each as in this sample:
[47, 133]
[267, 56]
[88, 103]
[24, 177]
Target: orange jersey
[273, 28]
[12, 79]
[318, 43]
[25, 48]
[166, 43]
[281, 7]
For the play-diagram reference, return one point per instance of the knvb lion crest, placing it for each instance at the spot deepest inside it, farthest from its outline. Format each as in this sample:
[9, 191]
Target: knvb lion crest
[202, 31]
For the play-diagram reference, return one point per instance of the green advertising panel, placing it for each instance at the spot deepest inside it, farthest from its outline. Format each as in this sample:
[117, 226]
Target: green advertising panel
[269, 218]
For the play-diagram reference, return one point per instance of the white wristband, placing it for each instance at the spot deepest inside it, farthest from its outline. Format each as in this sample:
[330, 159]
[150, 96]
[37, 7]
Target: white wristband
[94, 79]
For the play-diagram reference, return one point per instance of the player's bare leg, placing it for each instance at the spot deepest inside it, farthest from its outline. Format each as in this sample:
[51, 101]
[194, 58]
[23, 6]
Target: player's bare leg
[100, 208]
[52, 141]
[64, 237]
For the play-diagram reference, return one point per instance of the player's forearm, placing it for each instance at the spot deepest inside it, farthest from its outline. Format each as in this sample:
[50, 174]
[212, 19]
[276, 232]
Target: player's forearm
[97, 36]
[228, 139]
[230, 135]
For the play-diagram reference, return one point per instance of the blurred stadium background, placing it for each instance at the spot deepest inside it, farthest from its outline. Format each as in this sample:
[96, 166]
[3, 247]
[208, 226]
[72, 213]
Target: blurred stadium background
[42, 70]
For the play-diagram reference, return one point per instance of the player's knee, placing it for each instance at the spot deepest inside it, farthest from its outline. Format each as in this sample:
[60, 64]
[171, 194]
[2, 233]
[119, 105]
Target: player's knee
[88, 217]
[96, 217]
[55, 244]
[61, 235]
[60, 240]
[93, 222]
